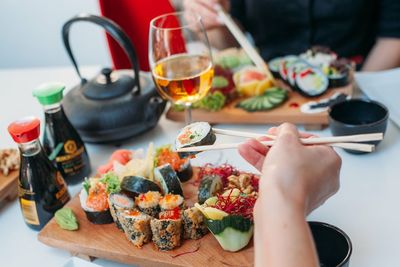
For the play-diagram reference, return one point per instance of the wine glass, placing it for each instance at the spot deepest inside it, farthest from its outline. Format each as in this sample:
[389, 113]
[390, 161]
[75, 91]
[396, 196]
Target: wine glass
[180, 58]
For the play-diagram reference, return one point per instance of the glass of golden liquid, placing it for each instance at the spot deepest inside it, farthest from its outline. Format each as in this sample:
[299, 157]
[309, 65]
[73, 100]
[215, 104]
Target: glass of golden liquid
[180, 58]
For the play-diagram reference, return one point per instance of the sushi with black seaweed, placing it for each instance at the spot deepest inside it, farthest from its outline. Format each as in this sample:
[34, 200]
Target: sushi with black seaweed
[95, 204]
[193, 224]
[181, 165]
[168, 180]
[285, 64]
[171, 201]
[273, 66]
[148, 203]
[135, 185]
[311, 82]
[136, 226]
[167, 230]
[195, 134]
[210, 186]
[338, 73]
[118, 203]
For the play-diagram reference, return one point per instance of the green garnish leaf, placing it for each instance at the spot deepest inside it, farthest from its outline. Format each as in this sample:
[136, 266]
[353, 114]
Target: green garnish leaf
[66, 219]
[113, 184]
[219, 82]
[212, 102]
[86, 185]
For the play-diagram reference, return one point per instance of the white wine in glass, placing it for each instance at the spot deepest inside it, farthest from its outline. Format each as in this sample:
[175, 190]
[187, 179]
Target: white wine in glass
[180, 58]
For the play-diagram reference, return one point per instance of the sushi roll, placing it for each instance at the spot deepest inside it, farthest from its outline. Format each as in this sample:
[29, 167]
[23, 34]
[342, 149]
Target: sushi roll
[319, 56]
[170, 202]
[273, 66]
[193, 224]
[167, 230]
[312, 82]
[168, 180]
[195, 134]
[210, 185]
[136, 226]
[285, 64]
[338, 73]
[295, 69]
[135, 185]
[148, 203]
[181, 166]
[95, 204]
[118, 203]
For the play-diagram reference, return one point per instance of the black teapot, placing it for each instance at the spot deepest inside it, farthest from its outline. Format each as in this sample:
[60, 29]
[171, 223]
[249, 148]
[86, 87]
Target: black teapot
[114, 105]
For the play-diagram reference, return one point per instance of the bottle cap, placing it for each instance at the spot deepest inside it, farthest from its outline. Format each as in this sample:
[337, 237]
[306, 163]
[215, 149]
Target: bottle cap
[25, 130]
[49, 93]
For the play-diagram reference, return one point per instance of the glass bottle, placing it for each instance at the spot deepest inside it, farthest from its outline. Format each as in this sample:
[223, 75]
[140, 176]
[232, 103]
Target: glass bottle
[42, 189]
[61, 141]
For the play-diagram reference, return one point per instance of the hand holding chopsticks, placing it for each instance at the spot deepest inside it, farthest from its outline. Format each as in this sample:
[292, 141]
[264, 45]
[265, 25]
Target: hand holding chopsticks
[346, 142]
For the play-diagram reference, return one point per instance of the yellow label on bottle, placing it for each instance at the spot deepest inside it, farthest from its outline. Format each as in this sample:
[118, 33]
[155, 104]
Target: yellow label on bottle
[29, 211]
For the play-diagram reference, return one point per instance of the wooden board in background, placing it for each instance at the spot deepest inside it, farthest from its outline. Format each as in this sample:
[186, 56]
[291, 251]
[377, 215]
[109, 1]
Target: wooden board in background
[107, 242]
[9, 186]
[285, 113]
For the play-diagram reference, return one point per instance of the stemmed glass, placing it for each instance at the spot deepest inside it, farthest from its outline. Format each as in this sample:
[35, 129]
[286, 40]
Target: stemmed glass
[180, 58]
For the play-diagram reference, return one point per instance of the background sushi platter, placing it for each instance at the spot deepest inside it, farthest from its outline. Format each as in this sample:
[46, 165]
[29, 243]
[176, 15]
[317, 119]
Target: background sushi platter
[107, 242]
[283, 113]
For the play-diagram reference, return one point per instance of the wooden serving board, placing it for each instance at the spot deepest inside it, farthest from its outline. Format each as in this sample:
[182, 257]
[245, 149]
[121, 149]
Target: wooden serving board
[284, 113]
[107, 242]
[9, 186]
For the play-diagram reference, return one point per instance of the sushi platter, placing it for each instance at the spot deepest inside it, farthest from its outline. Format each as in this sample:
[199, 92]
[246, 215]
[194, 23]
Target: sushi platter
[242, 94]
[154, 208]
[107, 242]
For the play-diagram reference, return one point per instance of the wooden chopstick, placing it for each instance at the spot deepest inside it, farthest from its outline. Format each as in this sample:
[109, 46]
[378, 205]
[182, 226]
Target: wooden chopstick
[309, 141]
[244, 43]
[351, 146]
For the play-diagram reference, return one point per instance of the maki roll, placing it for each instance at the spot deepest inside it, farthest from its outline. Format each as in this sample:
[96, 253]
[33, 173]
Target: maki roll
[295, 69]
[182, 166]
[319, 56]
[210, 185]
[136, 226]
[118, 203]
[311, 82]
[338, 73]
[135, 185]
[168, 180]
[170, 202]
[148, 203]
[273, 66]
[94, 203]
[195, 134]
[285, 64]
[193, 224]
[167, 230]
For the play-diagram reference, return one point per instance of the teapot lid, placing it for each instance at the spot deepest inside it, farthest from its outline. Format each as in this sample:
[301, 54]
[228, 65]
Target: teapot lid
[109, 84]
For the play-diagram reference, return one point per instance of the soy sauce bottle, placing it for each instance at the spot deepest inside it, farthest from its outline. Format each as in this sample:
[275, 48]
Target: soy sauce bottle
[41, 188]
[61, 141]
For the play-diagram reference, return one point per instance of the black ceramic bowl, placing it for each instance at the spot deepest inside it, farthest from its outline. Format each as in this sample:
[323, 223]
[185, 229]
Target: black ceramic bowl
[358, 116]
[333, 245]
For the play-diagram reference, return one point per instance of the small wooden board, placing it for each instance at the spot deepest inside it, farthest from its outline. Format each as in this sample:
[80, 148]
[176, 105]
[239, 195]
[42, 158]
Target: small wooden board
[107, 242]
[285, 113]
[9, 186]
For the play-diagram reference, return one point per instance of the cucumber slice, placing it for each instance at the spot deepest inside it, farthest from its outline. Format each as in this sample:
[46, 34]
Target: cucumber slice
[266, 103]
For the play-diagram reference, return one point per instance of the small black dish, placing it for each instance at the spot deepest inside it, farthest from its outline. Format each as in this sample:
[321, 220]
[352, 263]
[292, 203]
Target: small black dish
[333, 245]
[358, 116]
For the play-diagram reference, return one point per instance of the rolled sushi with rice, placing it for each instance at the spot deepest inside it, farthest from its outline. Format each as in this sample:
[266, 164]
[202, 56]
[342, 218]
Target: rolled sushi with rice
[194, 225]
[311, 82]
[171, 201]
[181, 165]
[148, 203]
[195, 134]
[169, 182]
[119, 203]
[167, 230]
[136, 226]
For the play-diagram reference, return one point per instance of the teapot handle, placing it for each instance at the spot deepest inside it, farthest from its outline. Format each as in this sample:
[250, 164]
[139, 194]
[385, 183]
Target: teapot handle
[114, 31]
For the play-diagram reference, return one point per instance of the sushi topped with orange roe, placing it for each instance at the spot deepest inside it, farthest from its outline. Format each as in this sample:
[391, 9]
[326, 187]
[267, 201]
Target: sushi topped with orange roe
[136, 226]
[148, 203]
[171, 201]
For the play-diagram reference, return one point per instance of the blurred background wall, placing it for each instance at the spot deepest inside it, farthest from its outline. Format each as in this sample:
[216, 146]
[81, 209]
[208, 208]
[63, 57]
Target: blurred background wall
[30, 34]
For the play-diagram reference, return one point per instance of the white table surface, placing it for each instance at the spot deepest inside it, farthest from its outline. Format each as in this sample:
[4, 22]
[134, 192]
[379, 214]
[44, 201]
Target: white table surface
[366, 207]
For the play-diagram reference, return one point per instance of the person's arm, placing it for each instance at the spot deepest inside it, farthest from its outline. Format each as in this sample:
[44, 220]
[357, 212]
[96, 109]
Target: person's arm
[384, 55]
[218, 35]
[294, 181]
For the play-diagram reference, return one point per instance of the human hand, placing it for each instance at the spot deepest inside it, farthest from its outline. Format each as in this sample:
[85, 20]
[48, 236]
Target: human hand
[307, 175]
[206, 9]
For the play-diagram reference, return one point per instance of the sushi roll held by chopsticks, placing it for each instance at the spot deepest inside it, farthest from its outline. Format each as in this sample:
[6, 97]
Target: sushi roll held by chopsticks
[194, 134]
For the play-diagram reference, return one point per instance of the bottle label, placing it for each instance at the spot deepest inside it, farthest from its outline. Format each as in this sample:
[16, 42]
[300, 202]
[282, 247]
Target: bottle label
[29, 211]
[62, 195]
[71, 162]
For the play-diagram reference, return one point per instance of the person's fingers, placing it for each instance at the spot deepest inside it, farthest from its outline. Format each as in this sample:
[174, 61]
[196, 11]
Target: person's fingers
[253, 152]
[207, 13]
[287, 134]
